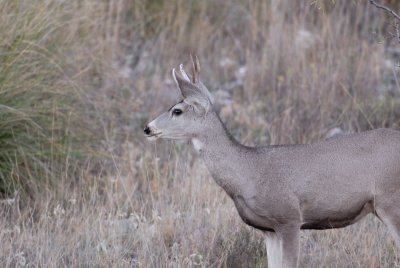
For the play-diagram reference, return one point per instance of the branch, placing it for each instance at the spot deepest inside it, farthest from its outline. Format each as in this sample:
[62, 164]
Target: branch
[394, 14]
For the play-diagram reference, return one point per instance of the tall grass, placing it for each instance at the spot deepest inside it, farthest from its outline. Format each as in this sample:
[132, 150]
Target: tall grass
[79, 79]
[33, 125]
[46, 123]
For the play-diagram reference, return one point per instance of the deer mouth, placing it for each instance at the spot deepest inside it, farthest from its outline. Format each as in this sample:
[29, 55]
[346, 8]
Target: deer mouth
[154, 135]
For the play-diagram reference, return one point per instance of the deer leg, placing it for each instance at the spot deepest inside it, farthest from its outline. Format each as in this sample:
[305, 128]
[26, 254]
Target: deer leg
[390, 216]
[290, 245]
[274, 250]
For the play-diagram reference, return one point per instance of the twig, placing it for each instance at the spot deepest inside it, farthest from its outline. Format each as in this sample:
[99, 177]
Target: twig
[394, 14]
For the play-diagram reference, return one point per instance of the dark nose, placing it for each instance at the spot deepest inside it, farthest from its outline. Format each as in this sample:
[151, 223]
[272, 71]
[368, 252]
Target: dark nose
[147, 130]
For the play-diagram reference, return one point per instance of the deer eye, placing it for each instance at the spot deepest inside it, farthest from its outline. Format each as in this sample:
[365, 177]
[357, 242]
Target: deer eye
[176, 111]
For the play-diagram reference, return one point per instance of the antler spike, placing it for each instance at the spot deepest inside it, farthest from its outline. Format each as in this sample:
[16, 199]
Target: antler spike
[195, 69]
[198, 64]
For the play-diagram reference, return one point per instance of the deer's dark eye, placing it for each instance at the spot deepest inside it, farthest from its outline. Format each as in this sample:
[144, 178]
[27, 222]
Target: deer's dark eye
[176, 111]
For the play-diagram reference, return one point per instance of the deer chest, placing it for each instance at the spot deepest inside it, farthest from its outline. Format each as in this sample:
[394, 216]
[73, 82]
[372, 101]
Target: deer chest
[250, 218]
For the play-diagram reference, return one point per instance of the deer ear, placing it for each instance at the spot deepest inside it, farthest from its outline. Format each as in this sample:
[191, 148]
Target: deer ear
[203, 89]
[191, 93]
[185, 86]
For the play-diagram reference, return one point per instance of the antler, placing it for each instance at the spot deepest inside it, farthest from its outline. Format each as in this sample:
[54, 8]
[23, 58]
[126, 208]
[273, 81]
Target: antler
[195, 69]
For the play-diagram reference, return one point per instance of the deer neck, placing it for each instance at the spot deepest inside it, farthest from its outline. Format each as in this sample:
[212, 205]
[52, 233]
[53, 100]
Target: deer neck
[227, 160]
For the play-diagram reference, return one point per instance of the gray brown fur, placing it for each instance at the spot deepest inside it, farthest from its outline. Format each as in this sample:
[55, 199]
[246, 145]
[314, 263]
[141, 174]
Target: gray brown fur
[283, 189]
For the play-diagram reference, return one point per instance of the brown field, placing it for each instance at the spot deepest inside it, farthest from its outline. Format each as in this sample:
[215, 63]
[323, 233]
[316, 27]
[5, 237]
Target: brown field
[85, 76]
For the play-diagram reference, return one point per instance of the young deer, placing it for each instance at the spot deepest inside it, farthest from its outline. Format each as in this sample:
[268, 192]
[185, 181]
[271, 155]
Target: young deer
[283, 189]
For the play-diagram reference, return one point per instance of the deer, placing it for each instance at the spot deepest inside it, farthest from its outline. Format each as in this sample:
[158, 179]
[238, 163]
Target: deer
[283, 189]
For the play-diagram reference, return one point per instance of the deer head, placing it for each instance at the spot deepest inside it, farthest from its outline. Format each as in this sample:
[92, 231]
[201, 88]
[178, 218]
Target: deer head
[186, 119]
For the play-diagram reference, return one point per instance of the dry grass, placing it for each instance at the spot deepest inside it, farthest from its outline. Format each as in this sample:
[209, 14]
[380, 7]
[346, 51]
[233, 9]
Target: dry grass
[281, 72]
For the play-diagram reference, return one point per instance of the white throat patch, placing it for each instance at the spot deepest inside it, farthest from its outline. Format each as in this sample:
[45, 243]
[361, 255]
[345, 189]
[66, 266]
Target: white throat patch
[198, 145]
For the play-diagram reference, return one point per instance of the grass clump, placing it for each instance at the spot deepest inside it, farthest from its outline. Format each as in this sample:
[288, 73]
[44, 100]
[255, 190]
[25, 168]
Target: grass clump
[38, 103]
[247, 250]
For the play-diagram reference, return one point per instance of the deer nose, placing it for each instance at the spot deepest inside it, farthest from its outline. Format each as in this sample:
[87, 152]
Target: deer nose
[147, 130]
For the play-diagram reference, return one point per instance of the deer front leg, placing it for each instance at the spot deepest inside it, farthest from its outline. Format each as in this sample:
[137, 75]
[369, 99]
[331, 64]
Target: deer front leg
[283, 247]
[274, 250]
[290, 236]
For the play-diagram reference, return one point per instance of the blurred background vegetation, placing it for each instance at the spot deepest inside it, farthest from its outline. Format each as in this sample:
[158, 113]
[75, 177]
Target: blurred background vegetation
[79, 80]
